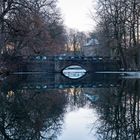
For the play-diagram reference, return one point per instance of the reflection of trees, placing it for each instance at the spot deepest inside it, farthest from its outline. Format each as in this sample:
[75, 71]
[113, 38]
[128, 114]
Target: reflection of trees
[31, 115]
[119, 112]
[76, 98]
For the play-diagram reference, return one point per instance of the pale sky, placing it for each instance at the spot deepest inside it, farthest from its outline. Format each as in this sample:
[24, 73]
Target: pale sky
[76, 14]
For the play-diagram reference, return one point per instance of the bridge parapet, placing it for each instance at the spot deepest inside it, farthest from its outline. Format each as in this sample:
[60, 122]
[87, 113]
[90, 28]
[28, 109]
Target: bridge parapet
[56, 58]
[90, 64]
[58, 63]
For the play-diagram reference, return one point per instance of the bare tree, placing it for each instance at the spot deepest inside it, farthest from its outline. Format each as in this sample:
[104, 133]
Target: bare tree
[119, 25]
[75, 41]
[33, 24]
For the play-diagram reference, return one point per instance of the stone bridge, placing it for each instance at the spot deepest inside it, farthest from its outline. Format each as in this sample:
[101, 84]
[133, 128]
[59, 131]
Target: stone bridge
[90, 64]
[58, 63]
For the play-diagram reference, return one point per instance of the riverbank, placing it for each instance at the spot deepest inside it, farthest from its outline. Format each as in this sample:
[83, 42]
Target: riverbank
[124, 74]
[4, 72]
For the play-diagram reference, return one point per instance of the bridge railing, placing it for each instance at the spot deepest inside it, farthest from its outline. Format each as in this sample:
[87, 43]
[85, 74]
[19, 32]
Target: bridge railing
[59, 58]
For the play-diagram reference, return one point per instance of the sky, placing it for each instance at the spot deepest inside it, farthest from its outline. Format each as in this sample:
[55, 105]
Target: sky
[76, 14]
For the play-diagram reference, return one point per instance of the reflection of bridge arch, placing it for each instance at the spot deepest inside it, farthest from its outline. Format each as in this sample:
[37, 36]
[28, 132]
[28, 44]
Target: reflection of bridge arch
[44, 82]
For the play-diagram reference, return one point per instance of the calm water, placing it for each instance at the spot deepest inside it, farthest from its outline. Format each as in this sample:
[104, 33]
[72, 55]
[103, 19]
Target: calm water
[45, 107]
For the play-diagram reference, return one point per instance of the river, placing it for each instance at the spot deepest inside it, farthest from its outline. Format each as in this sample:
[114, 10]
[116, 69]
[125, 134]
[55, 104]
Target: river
[45, 107]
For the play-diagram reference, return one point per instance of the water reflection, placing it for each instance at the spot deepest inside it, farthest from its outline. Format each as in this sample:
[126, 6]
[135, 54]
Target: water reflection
[109, 111]
[77, 124]
[74, 72]
[119, 112]
[31, 115]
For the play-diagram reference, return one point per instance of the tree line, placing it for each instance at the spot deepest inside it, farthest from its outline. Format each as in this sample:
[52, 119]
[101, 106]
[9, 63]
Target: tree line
[30, 27]
[118, 110]
[119, 29]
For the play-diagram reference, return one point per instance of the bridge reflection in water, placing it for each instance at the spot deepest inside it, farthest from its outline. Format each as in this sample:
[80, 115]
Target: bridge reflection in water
[43, 106]
[58, 81]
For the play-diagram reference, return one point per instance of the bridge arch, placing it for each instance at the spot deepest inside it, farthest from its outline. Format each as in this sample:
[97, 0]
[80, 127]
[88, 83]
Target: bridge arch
[61, 65]
[73, 64]
[52, 65]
